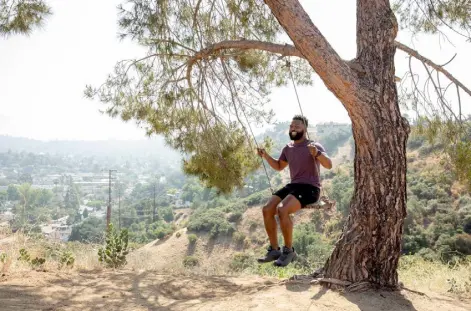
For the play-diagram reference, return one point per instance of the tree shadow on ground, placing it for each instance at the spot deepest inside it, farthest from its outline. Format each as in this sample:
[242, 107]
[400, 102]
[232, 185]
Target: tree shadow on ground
[126, 290]
[373, 300]
[191, 249]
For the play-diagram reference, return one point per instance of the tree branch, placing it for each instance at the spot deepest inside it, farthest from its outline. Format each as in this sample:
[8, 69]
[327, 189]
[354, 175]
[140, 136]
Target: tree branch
[335, 72]
[427, 61]
[283, 50]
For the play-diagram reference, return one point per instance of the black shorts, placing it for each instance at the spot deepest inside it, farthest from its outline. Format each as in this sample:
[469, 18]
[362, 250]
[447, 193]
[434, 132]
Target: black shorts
[305, 193]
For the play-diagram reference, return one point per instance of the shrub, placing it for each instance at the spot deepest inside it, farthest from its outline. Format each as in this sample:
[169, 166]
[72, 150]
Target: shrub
[212, 221]
[241, 262]
[24, 256]
[428, 254]
[238, 238]
[256, 198]
[235, 216]
[113, 254]
[38, 262]
[179, 234]
[192, 239]
[190, 261]
[66, 259]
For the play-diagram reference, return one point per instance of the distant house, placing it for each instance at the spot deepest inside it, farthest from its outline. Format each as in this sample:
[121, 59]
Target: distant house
[57, 232]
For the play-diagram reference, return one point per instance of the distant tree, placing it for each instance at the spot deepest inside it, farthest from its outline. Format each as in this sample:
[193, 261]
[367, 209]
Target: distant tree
[22, 16]
[85, 213]
[43, 197]
[71, 199]
[13, 193]
[91, 230]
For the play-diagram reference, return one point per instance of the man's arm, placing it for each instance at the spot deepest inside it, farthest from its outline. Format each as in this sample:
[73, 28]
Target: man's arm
[318, 152]
[277, 165]
[325, 161]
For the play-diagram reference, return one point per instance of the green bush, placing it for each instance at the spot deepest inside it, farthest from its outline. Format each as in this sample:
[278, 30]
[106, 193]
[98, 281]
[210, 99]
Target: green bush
[38, 262]
[24, 255]
[190, 261]
[192, 238]
[241, 262]
[212, 221]
[179, 234]
[66, 259]
[310, 244]
[113, 254]
[235, 216]
[256, 198]
[428, 254]
[238, 238]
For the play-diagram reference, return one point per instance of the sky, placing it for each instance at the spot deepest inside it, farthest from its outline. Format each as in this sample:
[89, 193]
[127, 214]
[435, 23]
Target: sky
[42, 76]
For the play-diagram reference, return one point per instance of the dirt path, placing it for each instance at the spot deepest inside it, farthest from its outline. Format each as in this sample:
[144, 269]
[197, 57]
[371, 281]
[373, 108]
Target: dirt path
[132, 290]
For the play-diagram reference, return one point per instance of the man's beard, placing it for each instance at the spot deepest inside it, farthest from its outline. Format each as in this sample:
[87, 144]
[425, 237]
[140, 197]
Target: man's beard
[296, 135]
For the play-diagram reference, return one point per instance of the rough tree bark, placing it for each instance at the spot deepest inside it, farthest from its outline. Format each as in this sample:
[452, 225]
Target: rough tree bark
[368, 251]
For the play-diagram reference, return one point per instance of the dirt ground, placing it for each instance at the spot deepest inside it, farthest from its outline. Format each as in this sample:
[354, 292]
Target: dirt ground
[145, 290]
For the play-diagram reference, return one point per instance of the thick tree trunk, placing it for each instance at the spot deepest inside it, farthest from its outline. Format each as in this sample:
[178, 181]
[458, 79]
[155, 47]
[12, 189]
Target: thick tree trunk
[368, 251]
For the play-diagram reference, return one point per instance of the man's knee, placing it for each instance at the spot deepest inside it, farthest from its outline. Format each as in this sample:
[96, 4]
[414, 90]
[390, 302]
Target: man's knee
[283, 211]
[269, 210]
[289, 206]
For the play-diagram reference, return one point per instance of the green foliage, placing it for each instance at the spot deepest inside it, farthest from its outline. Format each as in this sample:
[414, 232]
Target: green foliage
[89, 231]
[3, 258]
[24, 255]
[194, 105]
[37, 262]
[311, 245]
[192, 238]
[13, 193]
[429, 15]
[20, 17]
[235, 216]
[241, 262]
[66, 259]
[333, 135]
[190, 261]
[113, 254]
[167, 214]
[179, 234]
[239, 238]
[96, 204]
[257, 198]
[341, 190]
[212, 220]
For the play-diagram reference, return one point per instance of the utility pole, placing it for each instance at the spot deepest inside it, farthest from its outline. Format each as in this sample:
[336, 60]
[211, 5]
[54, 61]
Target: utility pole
[119, 206]
[108, 210]
[153, 215]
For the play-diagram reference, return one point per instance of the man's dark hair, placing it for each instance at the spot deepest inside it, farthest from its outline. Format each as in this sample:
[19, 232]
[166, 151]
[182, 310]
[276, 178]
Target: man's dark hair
[302, 119]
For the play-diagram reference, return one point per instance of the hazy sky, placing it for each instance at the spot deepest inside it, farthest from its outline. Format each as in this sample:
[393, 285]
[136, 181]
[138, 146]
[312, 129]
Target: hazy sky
[42, 77]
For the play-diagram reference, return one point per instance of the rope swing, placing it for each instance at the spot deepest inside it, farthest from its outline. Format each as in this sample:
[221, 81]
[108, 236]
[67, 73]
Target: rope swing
[323, 201]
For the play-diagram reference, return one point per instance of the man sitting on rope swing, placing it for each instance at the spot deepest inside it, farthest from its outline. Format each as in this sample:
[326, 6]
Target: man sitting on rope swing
[303, 157]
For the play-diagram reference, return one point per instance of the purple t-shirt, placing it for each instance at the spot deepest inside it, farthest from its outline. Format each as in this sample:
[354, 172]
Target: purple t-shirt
[303, 168]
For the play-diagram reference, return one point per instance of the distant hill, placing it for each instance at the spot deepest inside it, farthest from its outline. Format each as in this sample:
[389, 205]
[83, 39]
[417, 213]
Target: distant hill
[149, 147]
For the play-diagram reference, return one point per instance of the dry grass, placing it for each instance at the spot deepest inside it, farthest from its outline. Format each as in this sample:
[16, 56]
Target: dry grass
[421, 275]
[214, 259]
[85, 255]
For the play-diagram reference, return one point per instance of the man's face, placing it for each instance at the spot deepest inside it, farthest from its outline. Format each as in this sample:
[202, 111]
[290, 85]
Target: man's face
[296, 130]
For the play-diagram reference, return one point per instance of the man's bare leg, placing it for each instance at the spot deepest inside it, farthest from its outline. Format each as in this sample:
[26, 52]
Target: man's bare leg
[269, 212]
[289, 205]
